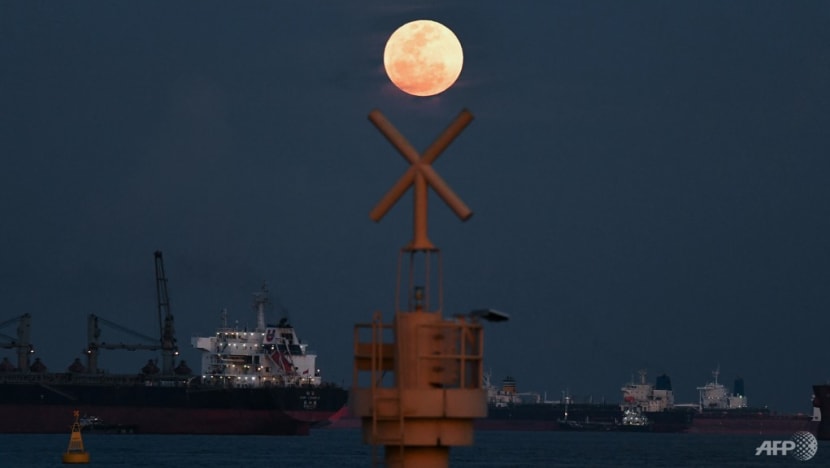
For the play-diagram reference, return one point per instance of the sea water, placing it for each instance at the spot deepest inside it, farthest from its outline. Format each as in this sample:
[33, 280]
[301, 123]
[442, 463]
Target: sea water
[342, 448]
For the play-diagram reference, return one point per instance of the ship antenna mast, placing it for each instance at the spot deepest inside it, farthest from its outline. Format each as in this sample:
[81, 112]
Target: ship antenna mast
[223, 319]
[260, 300]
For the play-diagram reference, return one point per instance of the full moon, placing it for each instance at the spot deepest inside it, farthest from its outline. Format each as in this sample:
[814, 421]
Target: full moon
[423, 58]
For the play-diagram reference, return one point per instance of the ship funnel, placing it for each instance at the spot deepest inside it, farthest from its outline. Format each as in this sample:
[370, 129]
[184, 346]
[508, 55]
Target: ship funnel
[260, 301]
[738, 387]
[663, 382]
[508, 385]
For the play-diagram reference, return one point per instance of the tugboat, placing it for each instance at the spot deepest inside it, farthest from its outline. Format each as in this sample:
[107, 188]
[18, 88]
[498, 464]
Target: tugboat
[97, 425]
[633, 420]
[75, 453]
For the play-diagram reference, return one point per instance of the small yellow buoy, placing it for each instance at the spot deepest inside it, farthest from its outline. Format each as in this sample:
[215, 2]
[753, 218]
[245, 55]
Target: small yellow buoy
[75, 453]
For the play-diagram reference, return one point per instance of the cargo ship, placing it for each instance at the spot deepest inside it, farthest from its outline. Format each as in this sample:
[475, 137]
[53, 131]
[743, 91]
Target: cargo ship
[719, 411]
[261, 381]
[511, 410]
[508, 409]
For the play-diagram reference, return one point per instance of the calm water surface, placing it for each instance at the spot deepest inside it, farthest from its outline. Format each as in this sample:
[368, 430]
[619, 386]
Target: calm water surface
[343, 448]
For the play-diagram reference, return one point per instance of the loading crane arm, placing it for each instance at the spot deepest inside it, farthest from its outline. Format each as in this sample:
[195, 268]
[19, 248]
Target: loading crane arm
[22, 342]
[166, 341]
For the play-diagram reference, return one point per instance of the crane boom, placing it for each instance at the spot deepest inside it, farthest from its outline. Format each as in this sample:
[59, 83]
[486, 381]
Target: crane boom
[22, 342]
[161, 291]
[128, 347]
[169, 350]
[124, 329]
[166, 341]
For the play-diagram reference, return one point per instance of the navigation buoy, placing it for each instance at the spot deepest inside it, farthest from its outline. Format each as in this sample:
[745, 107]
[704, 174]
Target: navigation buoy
[75, 453]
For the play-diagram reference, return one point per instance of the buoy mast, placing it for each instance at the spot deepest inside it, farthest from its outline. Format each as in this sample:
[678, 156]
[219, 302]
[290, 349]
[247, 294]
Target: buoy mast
[435, 390]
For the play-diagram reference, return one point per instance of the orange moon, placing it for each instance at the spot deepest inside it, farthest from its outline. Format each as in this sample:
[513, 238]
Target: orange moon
[423, 58]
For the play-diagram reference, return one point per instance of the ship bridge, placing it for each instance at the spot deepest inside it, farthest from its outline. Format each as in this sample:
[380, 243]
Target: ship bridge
[271, 355]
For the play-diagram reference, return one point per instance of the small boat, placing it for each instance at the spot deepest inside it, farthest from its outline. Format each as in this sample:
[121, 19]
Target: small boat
[602, 426]
[633, 421]
[97, 425]
[75, 453]
[87, 421]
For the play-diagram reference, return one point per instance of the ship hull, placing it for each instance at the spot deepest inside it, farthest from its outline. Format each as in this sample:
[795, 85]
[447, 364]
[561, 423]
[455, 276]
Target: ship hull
[126, 419]
[547, 417]
[47, 408]
[588, 426]
[821, 400]
[725, 422]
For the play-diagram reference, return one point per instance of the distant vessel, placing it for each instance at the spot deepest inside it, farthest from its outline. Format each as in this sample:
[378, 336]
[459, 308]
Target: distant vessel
[508, 409]
[97, 425]
[720, 411]
[656, 402]
[717, 410]
[633, 420]
[511, 410]
[258, 381]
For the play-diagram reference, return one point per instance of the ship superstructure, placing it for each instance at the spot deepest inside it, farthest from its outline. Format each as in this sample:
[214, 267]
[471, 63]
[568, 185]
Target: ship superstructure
[646, 397]
[269, 355]
[507, 394]
[656, 402]
[715, 396]
[720, 411]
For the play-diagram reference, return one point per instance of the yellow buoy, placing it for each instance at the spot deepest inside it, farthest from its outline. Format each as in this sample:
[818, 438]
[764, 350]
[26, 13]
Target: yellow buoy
[75, 453]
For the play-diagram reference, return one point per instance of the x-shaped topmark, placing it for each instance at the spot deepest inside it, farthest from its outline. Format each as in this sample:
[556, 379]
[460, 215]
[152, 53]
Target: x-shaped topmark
[420, 175]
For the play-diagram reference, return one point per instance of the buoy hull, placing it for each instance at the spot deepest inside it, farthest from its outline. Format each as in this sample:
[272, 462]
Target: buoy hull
[75, 457]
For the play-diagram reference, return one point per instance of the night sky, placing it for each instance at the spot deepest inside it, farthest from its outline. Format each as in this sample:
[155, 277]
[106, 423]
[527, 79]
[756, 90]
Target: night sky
[649, 181]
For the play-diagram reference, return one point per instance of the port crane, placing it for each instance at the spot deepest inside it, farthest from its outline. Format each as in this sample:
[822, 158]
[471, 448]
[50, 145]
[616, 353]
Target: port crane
[166, 342]
[22, 343]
